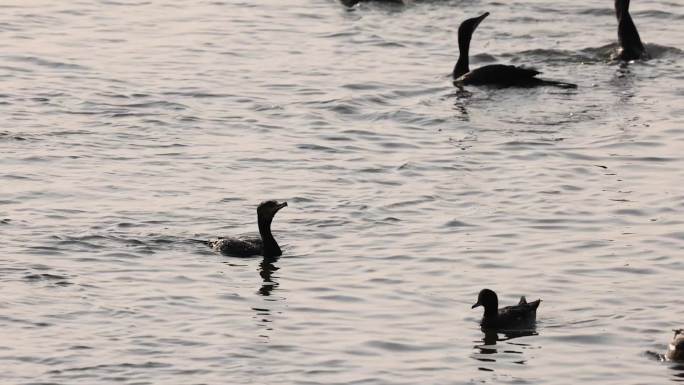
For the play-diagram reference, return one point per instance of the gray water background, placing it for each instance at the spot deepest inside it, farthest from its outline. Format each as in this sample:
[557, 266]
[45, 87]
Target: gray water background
[130, 128]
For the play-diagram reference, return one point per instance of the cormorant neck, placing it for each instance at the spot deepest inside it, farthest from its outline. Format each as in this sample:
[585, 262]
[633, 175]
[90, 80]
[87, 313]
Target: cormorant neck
[621, 7]
[271, 248]
[462, 65]
[628, 36]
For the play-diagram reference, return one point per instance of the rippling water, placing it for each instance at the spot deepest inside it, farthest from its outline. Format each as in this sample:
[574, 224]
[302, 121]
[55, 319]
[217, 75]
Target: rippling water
[130, 129]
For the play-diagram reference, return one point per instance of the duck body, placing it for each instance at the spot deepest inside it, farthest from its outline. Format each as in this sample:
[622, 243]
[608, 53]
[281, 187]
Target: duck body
[631, 47]
[265, 245]
[520, 316]
[499, 75]
[675, 350]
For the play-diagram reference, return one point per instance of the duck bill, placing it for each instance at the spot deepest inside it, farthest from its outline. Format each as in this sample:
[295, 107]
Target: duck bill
[476, 305]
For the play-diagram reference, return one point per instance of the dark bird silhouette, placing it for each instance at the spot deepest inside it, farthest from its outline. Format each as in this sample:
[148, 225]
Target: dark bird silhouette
[496, 74]
[351, 3]
[265, 245]
[631, 47]
[522, 315]
[675, 350]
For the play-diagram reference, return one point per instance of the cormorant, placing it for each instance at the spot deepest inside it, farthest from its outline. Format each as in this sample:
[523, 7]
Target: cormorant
[522, 315]
[496, 74]
[631, 47]
[351, 3]
[675, 350]
[266, 245]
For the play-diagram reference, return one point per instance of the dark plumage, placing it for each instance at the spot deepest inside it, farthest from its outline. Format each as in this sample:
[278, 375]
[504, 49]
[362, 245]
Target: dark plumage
[675, 350]
[266, 245]
[631, 47]
[522, 315]
[496, 74]
[351, 3]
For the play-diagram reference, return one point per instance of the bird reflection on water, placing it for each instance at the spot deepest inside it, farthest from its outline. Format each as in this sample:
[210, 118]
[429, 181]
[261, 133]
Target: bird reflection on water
[266, 269]
[678, 374]
[264, 314]
[676, 367]
[624, 88]
[460, 102]
[487, 347]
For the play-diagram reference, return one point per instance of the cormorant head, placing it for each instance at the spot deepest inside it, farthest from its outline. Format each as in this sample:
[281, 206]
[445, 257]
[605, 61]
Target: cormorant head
[488, 299]
[678, 340]
[675, 350]
[268, 209]
[468, 26]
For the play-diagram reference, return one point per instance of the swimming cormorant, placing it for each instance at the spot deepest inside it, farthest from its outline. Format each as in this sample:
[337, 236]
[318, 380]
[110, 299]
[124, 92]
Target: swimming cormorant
[266, 245]
[522, 315]
[351, 3]
[675, 350]
[631, 47]
[496, 74]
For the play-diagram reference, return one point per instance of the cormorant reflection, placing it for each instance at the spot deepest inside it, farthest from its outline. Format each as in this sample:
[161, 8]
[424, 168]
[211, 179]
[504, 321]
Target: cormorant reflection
[623, 81]
[266, 269]
[461, 99]
[264, 314]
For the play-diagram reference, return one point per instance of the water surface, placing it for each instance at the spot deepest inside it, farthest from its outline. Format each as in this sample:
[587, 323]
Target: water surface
[132, 128]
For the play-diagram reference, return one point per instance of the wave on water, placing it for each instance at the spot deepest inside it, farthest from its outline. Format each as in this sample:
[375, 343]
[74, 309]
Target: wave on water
[606, 52]
[47, 63]
[540, 57]
[603, 53]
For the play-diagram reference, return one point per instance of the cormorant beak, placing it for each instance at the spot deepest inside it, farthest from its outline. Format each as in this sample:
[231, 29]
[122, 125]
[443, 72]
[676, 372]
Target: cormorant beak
[480, 18]
[476, 305]
[281, 205]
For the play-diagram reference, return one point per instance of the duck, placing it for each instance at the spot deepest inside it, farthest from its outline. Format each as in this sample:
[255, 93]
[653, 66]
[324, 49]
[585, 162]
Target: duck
[500, 75]
[520, 316]
[675, 350]
[265, 245]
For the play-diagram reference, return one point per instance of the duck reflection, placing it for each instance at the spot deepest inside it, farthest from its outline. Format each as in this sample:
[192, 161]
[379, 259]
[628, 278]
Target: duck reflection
[487, 347]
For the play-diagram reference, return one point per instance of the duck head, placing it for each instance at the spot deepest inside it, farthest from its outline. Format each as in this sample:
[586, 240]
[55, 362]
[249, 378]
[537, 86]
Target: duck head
[488, 299]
